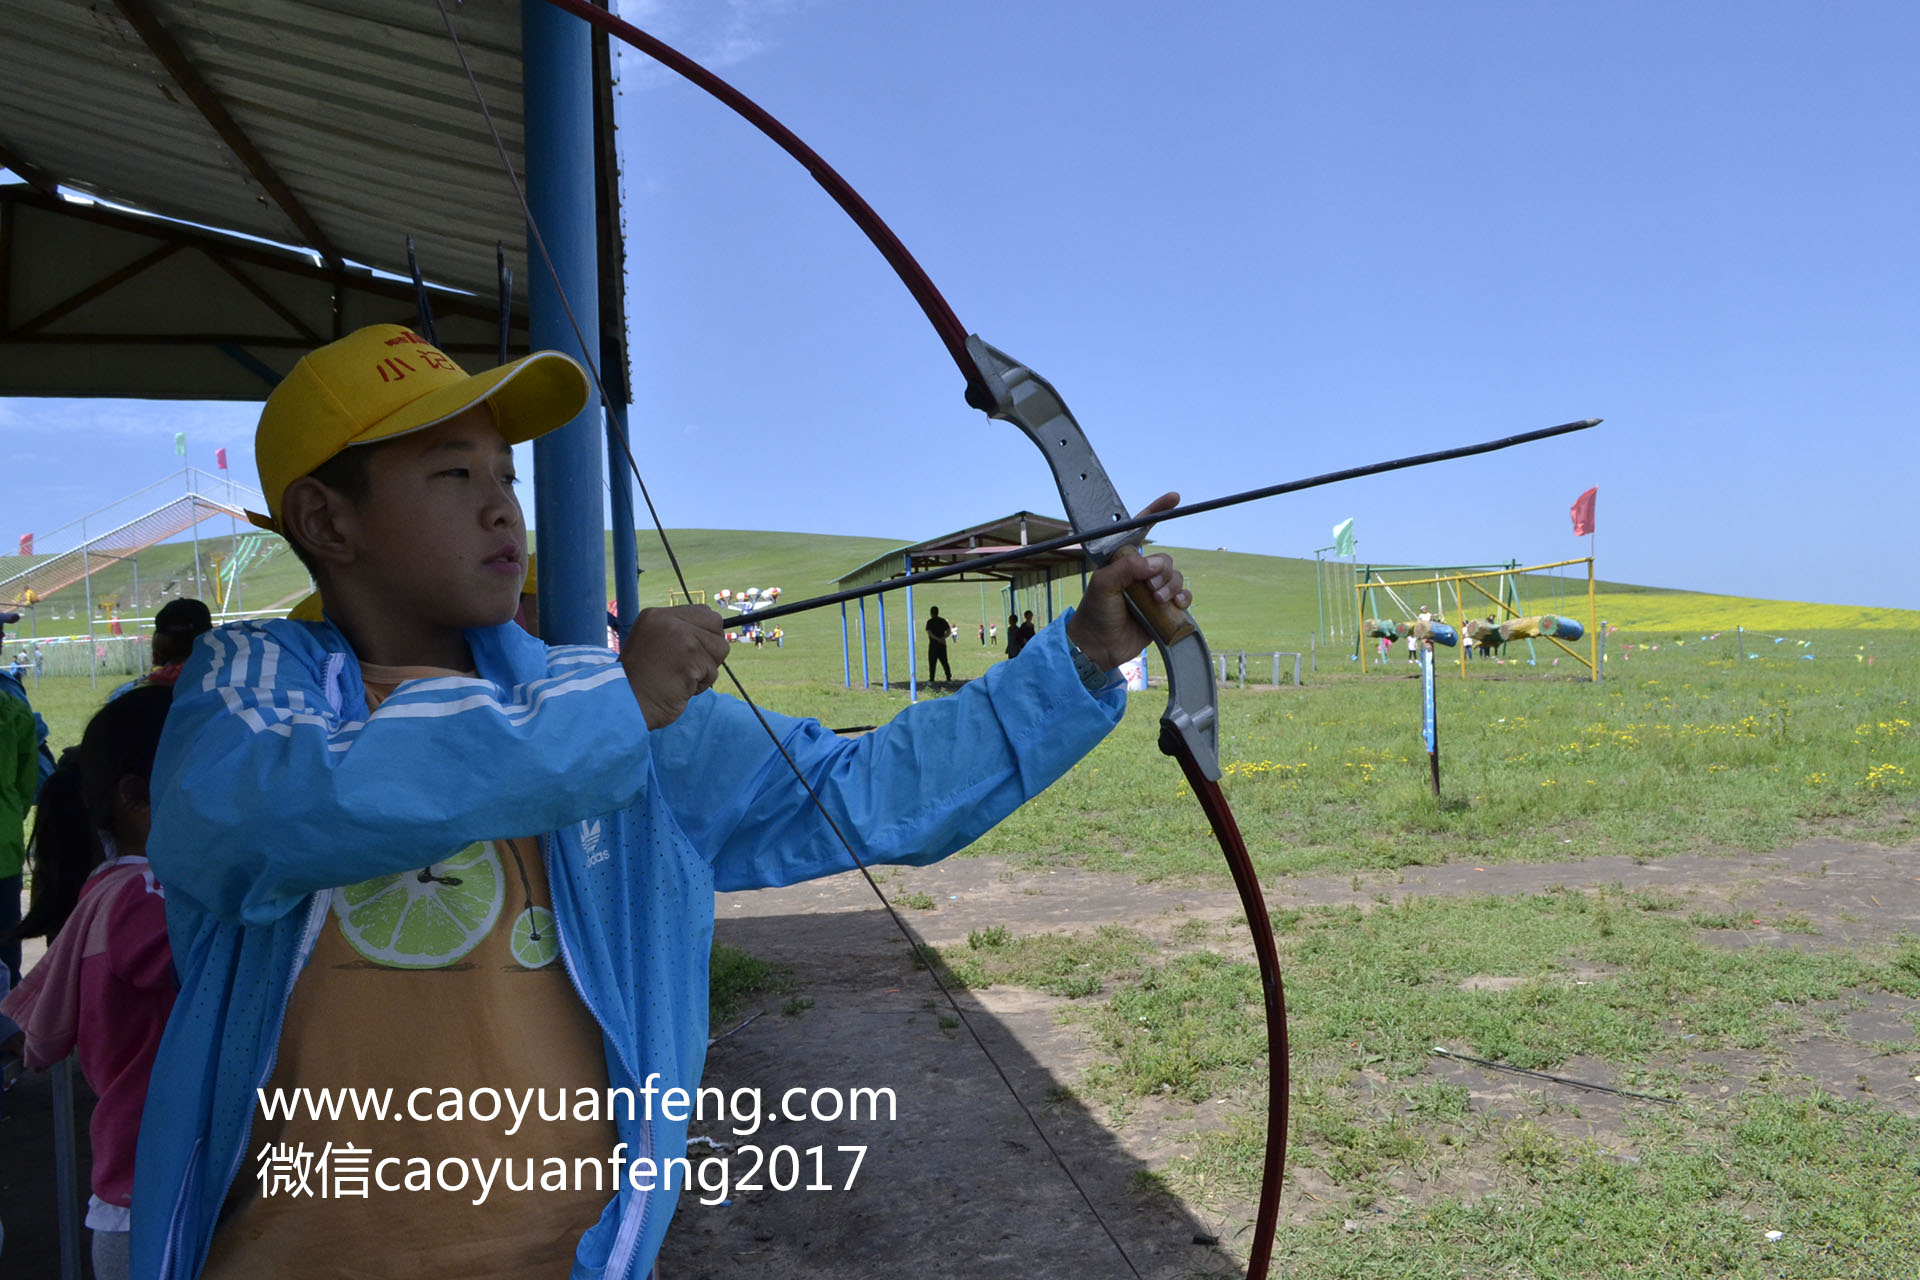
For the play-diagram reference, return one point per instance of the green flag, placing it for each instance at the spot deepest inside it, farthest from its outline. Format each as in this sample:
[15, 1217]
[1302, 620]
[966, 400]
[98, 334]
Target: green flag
[1343, 538]
[180, 443]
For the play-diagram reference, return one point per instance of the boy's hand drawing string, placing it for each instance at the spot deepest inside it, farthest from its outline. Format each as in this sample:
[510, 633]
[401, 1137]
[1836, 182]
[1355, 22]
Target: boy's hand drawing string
[1003, 388]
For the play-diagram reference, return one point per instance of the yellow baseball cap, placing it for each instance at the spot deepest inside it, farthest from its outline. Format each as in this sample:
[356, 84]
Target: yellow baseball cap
[385, 381]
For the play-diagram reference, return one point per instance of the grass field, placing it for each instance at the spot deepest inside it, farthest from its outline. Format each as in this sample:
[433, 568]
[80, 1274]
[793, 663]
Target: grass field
[1685, 745]
[1722, 725]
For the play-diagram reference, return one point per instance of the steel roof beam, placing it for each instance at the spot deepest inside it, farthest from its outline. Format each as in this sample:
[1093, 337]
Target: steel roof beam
[252, 340]
[267, 300]
[106, 284]
[288, 261]
[178, 66]
[35, 176]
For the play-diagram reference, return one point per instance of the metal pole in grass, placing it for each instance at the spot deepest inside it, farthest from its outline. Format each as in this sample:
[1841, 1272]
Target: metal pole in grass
[86, 572]
[913, 657]
[1320, 591]
[1598, 642]
[866, 677]
[1430, 728]
[1427, 634]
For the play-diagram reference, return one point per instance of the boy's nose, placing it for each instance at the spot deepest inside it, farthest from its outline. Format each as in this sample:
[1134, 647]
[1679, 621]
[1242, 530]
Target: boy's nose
[501, 508]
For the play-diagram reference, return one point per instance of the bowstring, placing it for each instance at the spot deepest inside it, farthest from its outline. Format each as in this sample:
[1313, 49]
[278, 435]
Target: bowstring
[653, 514]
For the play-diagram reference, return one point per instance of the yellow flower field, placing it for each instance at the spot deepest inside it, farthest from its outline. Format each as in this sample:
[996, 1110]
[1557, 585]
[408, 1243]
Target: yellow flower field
[1689, 611]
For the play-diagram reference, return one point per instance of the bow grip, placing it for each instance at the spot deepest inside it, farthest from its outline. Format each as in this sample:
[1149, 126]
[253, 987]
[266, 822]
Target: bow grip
[1168, 623]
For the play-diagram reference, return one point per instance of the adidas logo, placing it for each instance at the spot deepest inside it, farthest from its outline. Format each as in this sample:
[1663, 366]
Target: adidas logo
[590, 840]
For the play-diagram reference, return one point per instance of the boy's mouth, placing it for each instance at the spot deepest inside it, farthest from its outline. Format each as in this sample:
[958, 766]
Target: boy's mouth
[505, 560]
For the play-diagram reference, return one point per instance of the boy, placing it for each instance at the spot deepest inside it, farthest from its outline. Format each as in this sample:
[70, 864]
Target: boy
[409, 847]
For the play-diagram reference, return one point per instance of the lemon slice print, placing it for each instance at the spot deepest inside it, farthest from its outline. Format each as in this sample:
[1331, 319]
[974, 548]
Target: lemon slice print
[424, 919]
[534, 952]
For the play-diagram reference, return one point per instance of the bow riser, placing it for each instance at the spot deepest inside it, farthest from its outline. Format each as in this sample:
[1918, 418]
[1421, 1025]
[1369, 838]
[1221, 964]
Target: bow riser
[1013, 393]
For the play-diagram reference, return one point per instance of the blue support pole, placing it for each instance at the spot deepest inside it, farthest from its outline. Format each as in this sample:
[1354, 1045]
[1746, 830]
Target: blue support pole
[557, 70]
[846, 656]
[866, 677]
[913, 658]
[885, 682]
[626, 555]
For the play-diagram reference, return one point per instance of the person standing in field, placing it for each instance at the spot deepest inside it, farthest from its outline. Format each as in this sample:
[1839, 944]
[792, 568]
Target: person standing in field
[1014, 639]
[938, 629]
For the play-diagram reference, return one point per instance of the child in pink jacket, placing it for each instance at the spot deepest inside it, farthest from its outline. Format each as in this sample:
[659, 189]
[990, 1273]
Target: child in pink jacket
[106, 984]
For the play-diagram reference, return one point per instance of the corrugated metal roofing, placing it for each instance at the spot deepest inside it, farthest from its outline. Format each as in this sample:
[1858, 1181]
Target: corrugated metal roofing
[360, 107]
[334, 125]
[1000, 534]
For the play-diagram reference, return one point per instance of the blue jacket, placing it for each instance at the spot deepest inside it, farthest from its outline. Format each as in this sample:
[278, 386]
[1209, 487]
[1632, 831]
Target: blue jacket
[273, 786]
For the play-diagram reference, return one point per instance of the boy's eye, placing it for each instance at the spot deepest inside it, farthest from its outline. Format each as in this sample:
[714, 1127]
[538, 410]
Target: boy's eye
[458, 473]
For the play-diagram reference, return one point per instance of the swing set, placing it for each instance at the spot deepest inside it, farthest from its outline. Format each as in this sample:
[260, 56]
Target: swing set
[1469, 585]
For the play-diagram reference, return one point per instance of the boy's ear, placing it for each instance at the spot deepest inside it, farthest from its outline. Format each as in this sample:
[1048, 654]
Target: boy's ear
[321, 519]
[131, 793]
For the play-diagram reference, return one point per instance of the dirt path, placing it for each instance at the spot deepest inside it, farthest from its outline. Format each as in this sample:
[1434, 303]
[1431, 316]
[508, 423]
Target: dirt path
[959, 1186]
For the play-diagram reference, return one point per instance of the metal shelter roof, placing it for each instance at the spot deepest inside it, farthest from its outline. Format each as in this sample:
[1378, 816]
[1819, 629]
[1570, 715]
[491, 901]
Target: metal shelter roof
[330, 130]
[1003, 534]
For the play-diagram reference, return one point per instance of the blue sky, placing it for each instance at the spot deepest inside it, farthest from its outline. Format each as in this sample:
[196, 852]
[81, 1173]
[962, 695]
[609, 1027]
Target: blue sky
[1253, 241]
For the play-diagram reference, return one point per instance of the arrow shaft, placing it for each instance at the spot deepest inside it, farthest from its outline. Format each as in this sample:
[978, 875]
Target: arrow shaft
[1013, 555]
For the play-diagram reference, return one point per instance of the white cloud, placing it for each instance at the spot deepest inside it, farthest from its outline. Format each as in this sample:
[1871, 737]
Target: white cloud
[714, 36]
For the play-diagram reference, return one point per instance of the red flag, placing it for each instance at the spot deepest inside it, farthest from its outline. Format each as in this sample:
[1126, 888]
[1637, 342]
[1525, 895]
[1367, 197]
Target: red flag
[220, 459]
[26, 544]
[1583, 513]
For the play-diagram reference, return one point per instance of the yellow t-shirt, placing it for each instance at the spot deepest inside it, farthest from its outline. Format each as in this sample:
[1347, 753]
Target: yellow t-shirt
[431, 979]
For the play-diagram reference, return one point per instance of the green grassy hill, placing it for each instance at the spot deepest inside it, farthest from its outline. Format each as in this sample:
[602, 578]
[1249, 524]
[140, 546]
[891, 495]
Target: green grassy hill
[1251, 602]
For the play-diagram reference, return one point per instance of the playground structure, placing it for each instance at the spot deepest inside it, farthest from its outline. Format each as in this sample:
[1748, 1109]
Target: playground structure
[1468, 584]
[79, 588]
[746, 599]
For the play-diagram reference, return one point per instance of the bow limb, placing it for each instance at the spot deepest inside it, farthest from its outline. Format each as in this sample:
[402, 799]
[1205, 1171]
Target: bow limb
[1190, 725]
[1004, 389]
